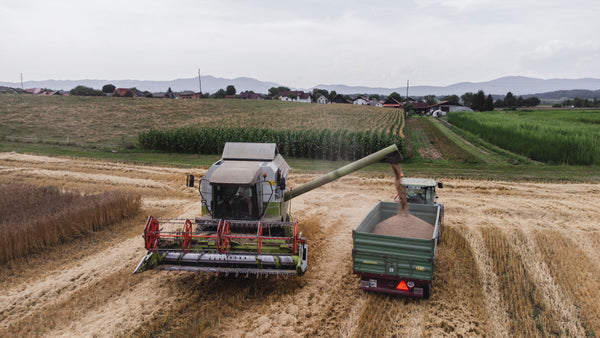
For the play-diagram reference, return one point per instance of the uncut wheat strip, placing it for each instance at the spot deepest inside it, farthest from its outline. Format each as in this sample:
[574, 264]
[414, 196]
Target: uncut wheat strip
[553, 297]
[497, 311]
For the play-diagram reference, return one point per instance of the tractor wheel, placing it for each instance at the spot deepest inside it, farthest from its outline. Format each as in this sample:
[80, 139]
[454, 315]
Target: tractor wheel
[427, 291]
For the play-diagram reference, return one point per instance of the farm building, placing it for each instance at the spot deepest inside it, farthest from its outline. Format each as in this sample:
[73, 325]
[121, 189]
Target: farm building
[449, 107]
[392, 103]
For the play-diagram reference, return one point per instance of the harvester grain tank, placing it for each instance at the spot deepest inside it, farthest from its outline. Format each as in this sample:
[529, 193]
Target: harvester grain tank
[245, 226]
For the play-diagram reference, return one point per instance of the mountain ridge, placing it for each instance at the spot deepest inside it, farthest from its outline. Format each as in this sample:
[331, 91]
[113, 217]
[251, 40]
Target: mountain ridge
[518, 85]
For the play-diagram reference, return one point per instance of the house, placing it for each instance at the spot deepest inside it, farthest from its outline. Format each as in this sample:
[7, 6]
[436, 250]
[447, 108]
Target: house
[392, 103]
[339, 98]
[136, 92]
[34, 91]
[188, 94]
[420, 107]
[375, 103]
[361, 100]
[322, 99]
[250, 96]
[296, 96]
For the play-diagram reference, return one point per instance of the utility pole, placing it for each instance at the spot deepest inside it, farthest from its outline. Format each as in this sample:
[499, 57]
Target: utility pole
[199, 83]
[22, 90]
[407, 89]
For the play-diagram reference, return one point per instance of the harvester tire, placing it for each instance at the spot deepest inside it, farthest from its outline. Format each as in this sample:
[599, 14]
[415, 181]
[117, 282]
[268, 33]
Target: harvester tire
[427, 291]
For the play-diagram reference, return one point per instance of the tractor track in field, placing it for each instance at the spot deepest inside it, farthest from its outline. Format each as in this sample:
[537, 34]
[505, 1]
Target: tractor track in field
[94, 293]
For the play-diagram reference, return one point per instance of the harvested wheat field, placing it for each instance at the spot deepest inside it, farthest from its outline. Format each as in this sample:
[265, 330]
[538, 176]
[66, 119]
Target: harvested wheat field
[516, 259]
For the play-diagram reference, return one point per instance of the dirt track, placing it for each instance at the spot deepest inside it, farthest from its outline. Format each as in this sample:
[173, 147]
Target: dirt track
[501, 240]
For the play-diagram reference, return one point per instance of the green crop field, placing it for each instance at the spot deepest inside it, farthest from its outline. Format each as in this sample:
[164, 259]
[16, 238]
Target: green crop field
[114, 129]
[562, 137]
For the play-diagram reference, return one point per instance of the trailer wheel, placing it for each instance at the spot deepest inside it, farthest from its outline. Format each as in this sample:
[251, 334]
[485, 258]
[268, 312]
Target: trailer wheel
[427, 291]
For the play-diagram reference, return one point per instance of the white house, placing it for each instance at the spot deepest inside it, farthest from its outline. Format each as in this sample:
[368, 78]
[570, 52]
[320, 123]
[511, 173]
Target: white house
[296, 96]
[322, 99]
[375, 103]
[361, 100]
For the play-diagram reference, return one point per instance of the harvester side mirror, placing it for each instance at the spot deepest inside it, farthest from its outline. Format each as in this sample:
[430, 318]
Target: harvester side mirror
[190, 181]
[440, 185]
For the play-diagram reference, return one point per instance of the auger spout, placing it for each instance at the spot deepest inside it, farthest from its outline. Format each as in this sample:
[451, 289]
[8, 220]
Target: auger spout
[391, 154]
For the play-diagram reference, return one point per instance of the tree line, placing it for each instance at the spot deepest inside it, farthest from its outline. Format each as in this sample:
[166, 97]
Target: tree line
[477, 101]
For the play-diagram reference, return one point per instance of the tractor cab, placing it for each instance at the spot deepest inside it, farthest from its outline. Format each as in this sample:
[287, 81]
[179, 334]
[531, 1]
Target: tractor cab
[420, 190]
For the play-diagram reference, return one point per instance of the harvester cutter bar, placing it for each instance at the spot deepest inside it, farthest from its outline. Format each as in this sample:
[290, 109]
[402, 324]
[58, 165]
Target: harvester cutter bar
[227, 271]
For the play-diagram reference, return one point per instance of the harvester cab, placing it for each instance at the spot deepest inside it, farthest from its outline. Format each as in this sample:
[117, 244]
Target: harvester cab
[420, 190]
[248, 183]
[245, 225]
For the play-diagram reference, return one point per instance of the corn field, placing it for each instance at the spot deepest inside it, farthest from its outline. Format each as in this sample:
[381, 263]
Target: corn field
[322, 144]
[36, 218]
[550, 138]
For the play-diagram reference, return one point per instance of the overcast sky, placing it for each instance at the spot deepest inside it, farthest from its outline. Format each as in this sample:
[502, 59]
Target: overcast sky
[301, 43]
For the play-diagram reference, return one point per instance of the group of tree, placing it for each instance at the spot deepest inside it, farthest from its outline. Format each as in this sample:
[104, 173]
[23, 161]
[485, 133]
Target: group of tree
[85, 91]
[579, 103]
[478, 101]
[510, 101]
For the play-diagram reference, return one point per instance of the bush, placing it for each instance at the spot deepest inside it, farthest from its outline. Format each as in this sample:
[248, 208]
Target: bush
[85, 91]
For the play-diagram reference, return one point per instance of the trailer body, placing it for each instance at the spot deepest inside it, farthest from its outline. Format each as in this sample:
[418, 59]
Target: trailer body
[395, 264]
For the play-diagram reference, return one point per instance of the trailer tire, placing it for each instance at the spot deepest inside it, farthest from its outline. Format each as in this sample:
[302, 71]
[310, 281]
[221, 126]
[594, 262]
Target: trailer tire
[427, 291]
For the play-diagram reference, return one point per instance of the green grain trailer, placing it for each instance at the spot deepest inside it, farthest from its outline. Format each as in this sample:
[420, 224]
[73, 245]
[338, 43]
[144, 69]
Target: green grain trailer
[394, 264]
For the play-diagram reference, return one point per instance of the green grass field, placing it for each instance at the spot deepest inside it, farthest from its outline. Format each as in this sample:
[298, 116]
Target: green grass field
[108, 128]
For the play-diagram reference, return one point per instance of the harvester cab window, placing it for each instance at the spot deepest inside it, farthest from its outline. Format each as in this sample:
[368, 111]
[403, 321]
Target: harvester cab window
[417, 195]
[235, 202]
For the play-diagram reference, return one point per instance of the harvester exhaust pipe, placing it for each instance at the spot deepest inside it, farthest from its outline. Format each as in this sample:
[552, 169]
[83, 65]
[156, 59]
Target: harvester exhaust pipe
[391, 154]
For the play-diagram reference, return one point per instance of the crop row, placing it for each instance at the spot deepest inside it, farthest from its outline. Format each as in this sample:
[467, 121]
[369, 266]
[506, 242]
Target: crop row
[545, 140]
[36, 218]
[314, 144]
[449, 149]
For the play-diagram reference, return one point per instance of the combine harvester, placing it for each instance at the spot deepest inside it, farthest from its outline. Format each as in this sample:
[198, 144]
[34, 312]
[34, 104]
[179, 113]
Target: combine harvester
[245, 226]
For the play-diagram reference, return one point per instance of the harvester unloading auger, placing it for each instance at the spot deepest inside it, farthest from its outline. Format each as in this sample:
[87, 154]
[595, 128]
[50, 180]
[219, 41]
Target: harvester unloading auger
[245, 226]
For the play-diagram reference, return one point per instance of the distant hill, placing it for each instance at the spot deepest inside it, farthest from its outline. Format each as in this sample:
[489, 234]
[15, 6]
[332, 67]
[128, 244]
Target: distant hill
[560, 95]
[209, 84]
[518, 85]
